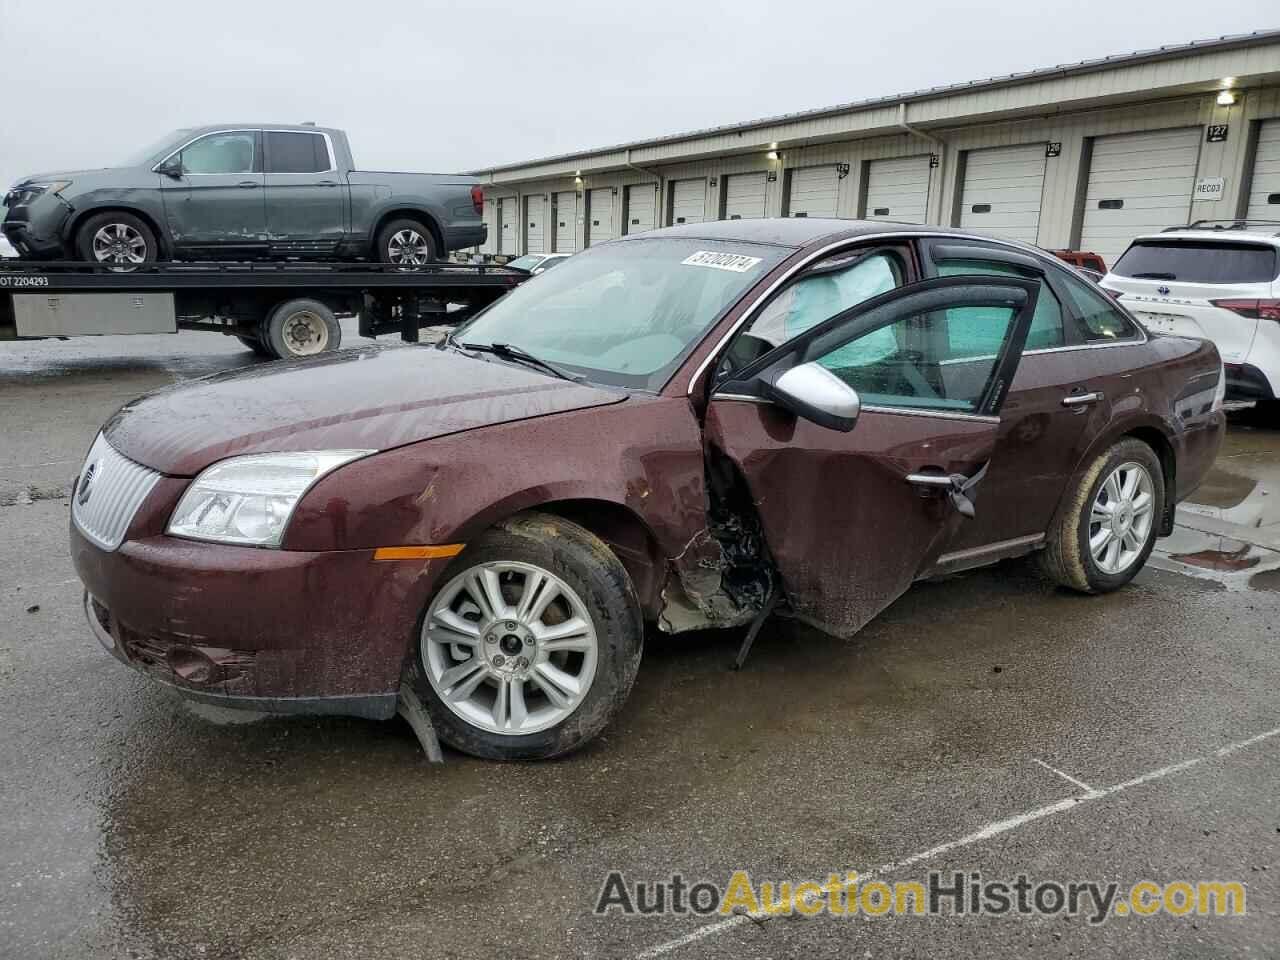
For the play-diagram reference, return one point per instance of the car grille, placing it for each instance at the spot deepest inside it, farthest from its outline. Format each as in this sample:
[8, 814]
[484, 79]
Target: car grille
[110, 490]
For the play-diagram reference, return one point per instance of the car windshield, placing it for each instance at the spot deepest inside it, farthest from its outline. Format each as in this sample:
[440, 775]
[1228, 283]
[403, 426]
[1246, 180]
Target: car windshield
[625, 313]
[527, 262]
[1198, 262]
[157, 149]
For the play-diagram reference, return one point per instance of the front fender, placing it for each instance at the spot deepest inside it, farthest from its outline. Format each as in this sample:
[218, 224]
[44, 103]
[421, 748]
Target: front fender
[142, 202]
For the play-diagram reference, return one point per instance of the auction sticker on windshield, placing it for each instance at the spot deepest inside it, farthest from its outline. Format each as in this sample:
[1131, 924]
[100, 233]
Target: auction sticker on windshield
[721, 261]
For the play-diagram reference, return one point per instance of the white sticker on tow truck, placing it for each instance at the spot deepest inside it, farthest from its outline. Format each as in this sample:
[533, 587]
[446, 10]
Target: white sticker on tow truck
[735, 262]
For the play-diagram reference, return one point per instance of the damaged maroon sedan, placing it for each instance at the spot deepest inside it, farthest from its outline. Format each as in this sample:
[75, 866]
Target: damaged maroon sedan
[689, 428]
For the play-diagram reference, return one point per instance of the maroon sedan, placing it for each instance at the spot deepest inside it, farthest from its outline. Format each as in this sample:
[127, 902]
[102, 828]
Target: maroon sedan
[688, 428]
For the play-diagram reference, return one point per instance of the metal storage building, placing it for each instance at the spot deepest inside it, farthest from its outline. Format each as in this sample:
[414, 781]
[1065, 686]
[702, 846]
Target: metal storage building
[1083, 156]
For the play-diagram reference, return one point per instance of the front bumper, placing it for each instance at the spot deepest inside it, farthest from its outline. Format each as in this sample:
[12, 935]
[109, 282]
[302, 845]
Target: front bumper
[270, 630]
[29, 243]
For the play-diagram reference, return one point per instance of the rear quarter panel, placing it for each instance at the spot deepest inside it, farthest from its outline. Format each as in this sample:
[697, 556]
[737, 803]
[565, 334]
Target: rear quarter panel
[446, 198]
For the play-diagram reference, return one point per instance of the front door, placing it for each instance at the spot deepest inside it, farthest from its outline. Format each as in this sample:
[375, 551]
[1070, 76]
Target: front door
[851, 518]
[306, 195]
[218, 201]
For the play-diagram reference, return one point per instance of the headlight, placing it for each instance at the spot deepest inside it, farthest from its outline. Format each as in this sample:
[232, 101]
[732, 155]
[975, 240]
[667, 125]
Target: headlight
[249, 500]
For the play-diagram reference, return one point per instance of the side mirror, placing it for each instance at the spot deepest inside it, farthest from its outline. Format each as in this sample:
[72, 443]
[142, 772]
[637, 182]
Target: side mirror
[172, 167]
[812, 391]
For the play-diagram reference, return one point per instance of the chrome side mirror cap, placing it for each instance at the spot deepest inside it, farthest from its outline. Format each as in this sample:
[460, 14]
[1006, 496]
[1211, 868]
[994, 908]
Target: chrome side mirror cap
[812, 391]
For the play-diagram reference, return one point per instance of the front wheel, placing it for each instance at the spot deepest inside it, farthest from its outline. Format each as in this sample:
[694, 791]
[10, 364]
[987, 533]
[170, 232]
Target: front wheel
[1109, 526]
[405, 242]
[117, 238]
[531, 644]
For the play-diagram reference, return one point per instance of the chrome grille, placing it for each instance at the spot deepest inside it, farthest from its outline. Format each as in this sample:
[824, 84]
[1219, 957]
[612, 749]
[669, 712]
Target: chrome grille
[110, 490]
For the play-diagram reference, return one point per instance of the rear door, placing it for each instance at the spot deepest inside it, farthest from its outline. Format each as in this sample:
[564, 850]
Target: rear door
[306, 196]
[852, 518]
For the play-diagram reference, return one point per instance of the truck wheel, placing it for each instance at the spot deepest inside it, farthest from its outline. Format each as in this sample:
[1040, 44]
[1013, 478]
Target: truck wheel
[532, 642]
[256, 345]
[117, 237]
[405, 242]
[301, 328]
[1109, 525]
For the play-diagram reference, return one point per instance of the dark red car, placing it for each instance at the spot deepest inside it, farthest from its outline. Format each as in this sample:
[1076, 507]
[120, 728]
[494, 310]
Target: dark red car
[686, 428]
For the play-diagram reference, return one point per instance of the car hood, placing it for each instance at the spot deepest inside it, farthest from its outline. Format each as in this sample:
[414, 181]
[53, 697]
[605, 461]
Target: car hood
[373, 398]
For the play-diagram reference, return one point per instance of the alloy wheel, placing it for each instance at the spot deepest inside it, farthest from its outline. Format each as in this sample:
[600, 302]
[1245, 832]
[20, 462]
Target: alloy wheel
[1121, 517]
[119, 243]
[509, 647]
[408, 247]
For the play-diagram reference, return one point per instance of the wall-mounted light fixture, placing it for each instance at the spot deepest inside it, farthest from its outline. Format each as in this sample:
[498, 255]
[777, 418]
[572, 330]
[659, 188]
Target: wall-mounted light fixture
[1226, 98]
[772, 155]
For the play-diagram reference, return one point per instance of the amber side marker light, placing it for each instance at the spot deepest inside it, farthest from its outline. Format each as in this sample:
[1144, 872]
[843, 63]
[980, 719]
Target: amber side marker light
[437, 552]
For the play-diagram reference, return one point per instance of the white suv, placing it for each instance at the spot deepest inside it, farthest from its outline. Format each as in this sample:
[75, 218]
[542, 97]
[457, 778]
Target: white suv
[1218, 282]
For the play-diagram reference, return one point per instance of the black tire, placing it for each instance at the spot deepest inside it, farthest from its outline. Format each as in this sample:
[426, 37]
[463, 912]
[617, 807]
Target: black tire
[118, 222]
[1067, 558]
[385, 248]
[591, 569]
[301, 328]
[256, 345]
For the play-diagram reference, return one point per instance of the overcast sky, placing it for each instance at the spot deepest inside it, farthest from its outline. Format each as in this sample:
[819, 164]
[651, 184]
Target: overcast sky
[449, 86]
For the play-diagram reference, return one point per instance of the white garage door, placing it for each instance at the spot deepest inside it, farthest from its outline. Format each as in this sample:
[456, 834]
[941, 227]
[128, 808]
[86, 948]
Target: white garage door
[688, 201]
[744, 196]
[600, 215]
[813, 192]
[507, 224]
[535, 227]
[898, 189]
[1264, 189]
[566, 221]
[1002, 190]
[642, 207]
[490, 244]
[1138, 183]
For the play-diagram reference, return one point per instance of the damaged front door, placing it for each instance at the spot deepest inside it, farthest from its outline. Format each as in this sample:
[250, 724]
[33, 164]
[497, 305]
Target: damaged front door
[853, 511]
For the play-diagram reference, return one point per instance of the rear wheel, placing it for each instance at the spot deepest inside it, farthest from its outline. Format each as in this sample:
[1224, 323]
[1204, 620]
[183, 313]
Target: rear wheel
[406, 242]
[1109, 526]
[301, 328]
[117, 238]
[531, 645]
[256, 345]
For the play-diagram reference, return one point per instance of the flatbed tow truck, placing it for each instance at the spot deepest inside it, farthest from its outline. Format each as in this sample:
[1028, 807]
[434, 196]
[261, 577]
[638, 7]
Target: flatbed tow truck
[283, 309]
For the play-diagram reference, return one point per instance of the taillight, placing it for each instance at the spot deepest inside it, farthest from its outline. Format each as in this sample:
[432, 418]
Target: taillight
[1253, 309]
[477, 200]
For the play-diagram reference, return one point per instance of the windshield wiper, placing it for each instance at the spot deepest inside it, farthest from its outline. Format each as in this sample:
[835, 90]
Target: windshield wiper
[509, 351]
[1153, 276]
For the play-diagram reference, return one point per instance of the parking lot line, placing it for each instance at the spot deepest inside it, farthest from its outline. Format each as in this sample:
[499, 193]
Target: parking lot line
[993, 829]
[1067, 777]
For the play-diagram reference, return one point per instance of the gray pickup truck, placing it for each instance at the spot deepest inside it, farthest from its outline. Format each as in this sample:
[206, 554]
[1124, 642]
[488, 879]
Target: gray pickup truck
[231, 191]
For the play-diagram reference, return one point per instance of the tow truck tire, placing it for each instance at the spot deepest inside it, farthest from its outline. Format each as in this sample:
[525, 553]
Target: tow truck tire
[550, 574]
[301, 328]
[117, 237]
[256, 345]
[407, 242]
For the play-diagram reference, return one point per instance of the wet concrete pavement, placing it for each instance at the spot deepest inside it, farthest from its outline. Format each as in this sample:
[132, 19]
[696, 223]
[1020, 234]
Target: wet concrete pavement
[138, 826]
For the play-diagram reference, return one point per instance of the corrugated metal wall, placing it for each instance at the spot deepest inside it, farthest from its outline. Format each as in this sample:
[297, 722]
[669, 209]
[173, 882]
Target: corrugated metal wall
[842, 175]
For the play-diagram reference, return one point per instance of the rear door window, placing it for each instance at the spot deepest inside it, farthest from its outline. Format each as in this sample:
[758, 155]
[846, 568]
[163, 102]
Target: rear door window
[1209, 261]
[1046, 325]
[296, 152]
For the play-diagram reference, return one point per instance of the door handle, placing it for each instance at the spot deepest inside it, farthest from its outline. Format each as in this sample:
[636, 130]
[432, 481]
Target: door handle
[247, 184]
[326, 183]
[1080, 399]
[955, 485]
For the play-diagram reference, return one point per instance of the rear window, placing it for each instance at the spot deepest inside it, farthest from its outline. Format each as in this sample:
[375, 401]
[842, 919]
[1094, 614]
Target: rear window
[1198, 262]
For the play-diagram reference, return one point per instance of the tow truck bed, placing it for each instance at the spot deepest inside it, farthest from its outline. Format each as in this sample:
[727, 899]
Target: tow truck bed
[249, 300]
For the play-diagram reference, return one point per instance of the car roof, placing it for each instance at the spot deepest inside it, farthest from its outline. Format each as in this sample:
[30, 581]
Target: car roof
[800, 231]
[1258, 233]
